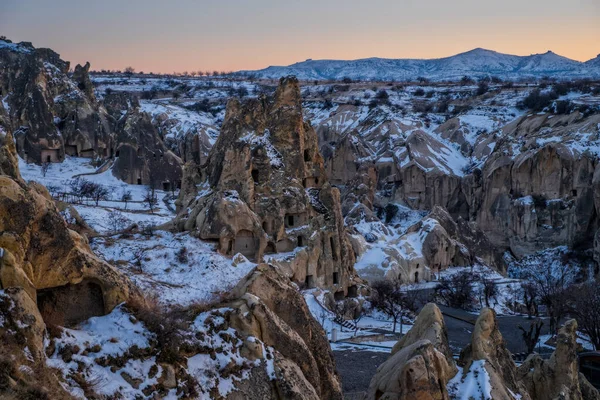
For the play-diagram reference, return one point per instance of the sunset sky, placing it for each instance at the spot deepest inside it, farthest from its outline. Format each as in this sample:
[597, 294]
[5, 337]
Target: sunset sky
[191, 35]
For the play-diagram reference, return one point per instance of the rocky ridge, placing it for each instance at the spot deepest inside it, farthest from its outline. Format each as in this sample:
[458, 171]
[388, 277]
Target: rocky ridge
[422, 367]
[263, 191]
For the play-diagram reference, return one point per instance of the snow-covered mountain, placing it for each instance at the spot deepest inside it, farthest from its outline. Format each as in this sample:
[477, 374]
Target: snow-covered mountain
[475, 63]
[594, 62]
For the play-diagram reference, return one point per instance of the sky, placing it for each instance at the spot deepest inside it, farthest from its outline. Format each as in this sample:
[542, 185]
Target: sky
[229, 35]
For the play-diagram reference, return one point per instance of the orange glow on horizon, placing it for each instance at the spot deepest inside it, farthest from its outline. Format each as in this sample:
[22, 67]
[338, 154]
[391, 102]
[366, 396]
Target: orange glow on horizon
[155, 36]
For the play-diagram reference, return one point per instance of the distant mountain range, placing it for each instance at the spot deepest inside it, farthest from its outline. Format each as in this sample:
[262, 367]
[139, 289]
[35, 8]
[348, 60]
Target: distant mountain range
[475, 63]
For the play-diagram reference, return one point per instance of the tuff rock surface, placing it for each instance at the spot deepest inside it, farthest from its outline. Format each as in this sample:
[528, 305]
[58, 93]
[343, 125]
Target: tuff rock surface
[52, 115]
[526, 185]
[52, 263]
[264, 191]
[271, 309]
[421, 363]
[558, 377]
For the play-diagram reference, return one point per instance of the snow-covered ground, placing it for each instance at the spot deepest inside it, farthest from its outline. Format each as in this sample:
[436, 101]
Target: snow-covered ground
[582, 339]
[100, 337]
[178, 121]
[59, 175]
[177, 268]
[472, 384]
[117, 356]
[371, 325]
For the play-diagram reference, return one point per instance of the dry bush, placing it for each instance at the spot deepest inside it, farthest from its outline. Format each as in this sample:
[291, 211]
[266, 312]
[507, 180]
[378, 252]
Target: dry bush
[168, 327]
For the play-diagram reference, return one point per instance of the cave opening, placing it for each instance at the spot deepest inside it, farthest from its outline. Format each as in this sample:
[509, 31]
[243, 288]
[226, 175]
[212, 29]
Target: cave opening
[70, 304]
[309, 282]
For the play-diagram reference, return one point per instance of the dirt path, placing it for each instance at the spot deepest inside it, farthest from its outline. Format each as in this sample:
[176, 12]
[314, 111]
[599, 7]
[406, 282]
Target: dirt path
[356, 368]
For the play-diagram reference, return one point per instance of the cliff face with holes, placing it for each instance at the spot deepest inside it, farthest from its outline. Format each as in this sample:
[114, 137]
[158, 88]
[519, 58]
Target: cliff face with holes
[50, 113]
[527, 182]
[48, 277]
[54, 115]
[141, 157]
[53, 264]
[263, 192]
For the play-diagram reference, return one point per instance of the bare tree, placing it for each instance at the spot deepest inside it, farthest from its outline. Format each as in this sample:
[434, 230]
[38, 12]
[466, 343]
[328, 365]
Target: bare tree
[117, 221]
[532, 334]
[489, 290]
[150, 199]
[98, 193]
[126, 197]
[457, 291]
[529, 293]
[45, 168]
[341, 309]
[389, 299]
[323, 315]
[83, 188]
[76, 188]
[551, 281]
[585, 307]
[138, 257]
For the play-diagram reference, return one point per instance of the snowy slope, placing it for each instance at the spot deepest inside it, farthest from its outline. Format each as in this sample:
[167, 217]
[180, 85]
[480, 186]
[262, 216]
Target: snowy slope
[477, 62]
[594, 62]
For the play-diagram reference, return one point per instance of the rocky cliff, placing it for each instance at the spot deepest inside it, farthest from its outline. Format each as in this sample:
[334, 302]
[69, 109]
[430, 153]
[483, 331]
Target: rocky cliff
[53, 114]
[141, 157]
[48, 277]
[263, 192]
[523, 182]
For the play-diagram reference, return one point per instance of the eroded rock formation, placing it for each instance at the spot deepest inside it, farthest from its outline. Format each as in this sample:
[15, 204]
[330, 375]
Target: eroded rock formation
[53, 115]
[39, 253]
[559, 376]
[264, 191]
[421, 363]
[141, 157]
[526, 183]
[487, 344]
[429, 325]
[50, 114]
[272, 310]
[421, 366]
